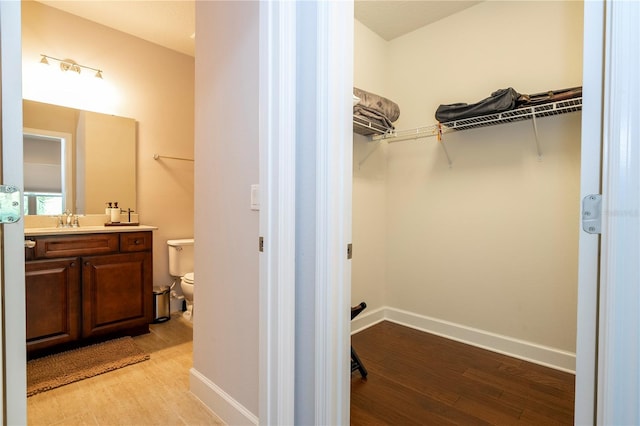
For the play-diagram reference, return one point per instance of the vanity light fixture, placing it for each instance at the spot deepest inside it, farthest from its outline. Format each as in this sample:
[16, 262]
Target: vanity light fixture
[69, 65]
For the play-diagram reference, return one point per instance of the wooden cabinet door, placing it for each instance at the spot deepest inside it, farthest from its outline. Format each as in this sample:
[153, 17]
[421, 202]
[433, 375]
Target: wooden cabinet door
[117, 293]
[52, 290]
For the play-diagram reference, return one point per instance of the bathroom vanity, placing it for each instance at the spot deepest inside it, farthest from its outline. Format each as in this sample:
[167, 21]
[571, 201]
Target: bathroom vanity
[87, 284]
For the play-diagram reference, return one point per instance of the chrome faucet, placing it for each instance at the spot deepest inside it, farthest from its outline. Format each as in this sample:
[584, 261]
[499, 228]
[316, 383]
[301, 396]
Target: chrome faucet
[64, 220]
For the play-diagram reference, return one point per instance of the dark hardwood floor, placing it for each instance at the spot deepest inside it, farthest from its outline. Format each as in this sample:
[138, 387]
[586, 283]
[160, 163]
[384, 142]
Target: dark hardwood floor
[417, 378]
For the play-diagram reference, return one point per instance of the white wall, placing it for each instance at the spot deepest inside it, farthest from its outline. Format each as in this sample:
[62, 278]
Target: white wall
[532, 46]
[369, 234]
[490, 243]
[143, 81]
[225, 358]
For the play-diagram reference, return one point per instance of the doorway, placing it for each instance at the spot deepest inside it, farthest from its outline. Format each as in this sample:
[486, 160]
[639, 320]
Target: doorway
[493, 214]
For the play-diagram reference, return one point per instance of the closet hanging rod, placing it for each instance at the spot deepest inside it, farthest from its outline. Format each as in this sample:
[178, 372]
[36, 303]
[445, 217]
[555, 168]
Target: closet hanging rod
[158, 156]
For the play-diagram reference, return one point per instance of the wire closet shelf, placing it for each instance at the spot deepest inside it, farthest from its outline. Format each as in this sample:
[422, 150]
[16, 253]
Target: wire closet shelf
[519, 114]
[375, 128]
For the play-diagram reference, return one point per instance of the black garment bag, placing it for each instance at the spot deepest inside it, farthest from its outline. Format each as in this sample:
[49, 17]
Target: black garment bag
[501, 100]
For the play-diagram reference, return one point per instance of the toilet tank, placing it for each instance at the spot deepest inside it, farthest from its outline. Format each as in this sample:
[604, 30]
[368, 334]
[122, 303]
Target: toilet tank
[180, 256]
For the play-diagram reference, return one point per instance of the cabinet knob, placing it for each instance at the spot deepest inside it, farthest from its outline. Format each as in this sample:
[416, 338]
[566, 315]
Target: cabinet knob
[87, 264]
[72, 264]
[136, 242]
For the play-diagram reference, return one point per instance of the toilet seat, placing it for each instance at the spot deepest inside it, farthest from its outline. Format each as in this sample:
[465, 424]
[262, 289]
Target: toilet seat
[188, 278]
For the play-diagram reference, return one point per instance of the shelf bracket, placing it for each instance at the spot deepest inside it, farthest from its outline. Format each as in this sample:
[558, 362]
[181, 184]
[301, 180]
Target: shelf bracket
[535, 131]
[441, 142]
[366, 157]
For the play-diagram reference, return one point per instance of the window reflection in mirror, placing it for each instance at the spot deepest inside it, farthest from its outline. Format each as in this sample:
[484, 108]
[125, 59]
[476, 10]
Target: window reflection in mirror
[46, 178]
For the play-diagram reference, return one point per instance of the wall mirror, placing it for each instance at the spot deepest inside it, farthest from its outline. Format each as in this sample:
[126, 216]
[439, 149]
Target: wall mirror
[77, 160]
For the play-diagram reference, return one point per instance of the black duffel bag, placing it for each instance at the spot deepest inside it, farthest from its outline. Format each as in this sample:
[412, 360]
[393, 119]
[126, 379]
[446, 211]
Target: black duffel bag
[499, 101]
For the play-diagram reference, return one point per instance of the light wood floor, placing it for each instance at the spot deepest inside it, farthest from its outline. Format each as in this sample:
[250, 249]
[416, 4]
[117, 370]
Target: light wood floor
[154, 392]
[417, 378]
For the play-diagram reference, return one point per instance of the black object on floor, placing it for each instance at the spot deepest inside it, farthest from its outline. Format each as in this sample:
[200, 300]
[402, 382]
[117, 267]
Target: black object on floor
[356, 364]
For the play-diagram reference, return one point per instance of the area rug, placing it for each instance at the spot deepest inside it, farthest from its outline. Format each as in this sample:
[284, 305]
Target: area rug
[56, 370]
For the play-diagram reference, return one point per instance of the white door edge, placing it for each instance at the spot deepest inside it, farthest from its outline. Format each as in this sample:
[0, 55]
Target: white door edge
[334, 174]
[589, 244]
[14, 399]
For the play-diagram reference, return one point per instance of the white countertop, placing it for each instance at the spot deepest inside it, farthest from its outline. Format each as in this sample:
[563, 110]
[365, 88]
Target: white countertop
[100, 229]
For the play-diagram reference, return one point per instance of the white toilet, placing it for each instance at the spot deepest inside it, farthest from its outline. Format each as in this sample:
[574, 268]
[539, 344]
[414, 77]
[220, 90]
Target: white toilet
[181, 266]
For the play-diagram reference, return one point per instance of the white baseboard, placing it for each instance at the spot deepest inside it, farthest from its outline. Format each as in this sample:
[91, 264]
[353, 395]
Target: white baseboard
[367, 319]
[521, 349]
[220, 402]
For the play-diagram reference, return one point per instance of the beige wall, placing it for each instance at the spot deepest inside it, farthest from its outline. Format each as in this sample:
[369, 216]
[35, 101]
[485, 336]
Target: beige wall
[368, 279]
[492, 242]
[225, 353]
[149, 83]
[109, 162]
[42, 116]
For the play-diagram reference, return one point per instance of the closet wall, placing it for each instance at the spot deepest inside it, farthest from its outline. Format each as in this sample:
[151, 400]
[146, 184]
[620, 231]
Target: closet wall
[484, 251]
[369, 229]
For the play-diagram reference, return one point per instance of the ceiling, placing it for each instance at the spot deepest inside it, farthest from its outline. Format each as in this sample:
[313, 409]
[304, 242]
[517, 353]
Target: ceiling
[168, 23]
[391, 19]
[172, 23]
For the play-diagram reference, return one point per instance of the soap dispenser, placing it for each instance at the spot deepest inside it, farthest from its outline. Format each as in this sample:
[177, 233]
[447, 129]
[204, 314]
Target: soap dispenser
[115, 213]
[108, 208]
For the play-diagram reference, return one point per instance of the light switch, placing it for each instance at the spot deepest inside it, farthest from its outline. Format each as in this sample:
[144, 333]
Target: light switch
[255, 197]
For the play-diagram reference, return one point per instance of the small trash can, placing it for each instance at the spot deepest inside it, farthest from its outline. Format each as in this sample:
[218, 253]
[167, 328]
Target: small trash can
[161, 310]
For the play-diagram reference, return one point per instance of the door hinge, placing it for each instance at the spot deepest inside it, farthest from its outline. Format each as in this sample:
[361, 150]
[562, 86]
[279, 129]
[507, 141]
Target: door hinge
[592, 213]
[261, 244]
[10, 205]
[349, 251]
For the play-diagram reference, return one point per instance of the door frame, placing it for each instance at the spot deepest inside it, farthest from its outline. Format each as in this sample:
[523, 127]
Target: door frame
[277, 122]
[607, 388]
[618, 386]
[333, 162]
[306, 59]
